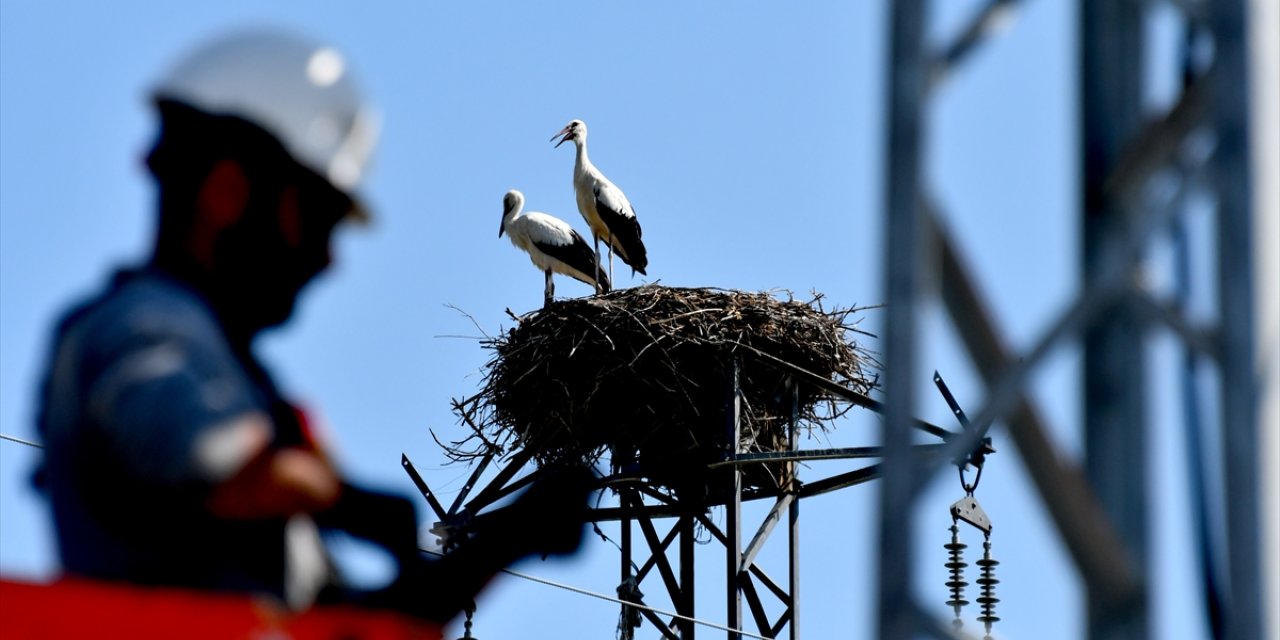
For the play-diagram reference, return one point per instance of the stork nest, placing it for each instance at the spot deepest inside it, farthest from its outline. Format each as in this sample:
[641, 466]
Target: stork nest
[646, 374]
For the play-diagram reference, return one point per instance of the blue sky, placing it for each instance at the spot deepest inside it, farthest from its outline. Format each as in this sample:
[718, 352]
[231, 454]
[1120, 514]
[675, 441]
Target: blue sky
[749, 138]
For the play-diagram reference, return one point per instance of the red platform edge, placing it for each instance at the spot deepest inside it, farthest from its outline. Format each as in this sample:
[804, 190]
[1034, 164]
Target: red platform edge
[77, 608]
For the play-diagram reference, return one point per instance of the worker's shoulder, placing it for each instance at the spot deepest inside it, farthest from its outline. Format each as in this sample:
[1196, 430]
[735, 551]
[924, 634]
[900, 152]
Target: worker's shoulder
[141, 305]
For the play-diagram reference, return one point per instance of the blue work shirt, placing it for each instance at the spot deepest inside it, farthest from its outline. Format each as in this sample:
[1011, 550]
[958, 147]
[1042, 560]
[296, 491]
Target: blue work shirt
[137, 376]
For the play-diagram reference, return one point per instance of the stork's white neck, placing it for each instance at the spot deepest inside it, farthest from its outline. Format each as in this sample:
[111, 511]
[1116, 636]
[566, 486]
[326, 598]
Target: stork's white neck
[580, 157]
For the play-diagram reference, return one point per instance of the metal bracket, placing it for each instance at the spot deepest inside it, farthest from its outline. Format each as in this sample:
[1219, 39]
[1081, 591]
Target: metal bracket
[968, 509]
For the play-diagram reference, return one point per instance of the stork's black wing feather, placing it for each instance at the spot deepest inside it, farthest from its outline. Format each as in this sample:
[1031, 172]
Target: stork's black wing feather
[625, 230]
[579, 256]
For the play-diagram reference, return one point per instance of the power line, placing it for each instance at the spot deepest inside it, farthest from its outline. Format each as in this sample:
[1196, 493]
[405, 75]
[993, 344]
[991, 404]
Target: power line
[603, 596]
[5, 436]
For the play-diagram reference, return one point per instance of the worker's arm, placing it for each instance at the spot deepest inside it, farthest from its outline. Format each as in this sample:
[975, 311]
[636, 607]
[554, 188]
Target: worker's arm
[264, 482]
[177, 415]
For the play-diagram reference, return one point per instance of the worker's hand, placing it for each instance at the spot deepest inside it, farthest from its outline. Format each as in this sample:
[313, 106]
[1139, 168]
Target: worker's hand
[277, 483]
[386, 520]
[288, 472]
[549, 518]
[308, 476]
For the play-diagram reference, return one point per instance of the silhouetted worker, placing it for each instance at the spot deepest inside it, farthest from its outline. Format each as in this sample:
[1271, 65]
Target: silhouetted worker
[172, 458]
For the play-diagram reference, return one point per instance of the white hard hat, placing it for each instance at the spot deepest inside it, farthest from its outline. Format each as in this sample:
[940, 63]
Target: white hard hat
[299, 91]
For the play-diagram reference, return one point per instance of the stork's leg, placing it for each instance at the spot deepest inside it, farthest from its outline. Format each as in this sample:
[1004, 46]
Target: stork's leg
[550, 291]
[610, 256]
[595, 276]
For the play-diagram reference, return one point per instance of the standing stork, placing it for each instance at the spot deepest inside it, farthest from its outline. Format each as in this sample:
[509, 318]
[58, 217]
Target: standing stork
[552, 245]
[607, 210]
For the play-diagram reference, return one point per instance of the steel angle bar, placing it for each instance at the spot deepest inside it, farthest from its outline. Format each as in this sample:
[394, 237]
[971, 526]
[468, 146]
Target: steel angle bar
[788, 616]
[793, 524]
[757, 608]
[860, 399]
[1159, 143]
[1203, 341]
[495, 490]
[951, 401]
[819, 487]
[648, 490]
[1194, 431]
[841, 453]
[903, 271]
[989, 19]
[733, 508]
[1239, 384]
[609, 514]
[625, 580]
[502, 492]
[766, 527]
[687, 602]
[755, 569]
[657, 552]
[421, 484]
[658, 557]
[663, 627]
[841, 481]
[471, 482]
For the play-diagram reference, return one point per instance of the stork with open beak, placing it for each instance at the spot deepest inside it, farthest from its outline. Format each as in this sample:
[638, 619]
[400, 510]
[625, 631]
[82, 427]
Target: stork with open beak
[552, 245]
[604, 206]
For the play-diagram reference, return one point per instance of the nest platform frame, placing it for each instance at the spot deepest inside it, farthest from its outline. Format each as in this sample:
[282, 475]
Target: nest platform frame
[665, 521]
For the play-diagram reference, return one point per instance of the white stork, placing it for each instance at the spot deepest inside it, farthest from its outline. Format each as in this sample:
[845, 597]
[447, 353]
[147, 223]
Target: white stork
[606, 209]
[551, 243]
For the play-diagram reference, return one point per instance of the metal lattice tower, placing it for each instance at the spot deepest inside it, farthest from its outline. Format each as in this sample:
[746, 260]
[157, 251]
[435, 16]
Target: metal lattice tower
[1201, 144]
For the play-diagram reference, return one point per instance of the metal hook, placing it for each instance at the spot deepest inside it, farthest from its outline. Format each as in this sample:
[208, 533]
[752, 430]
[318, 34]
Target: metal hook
[967, 486]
